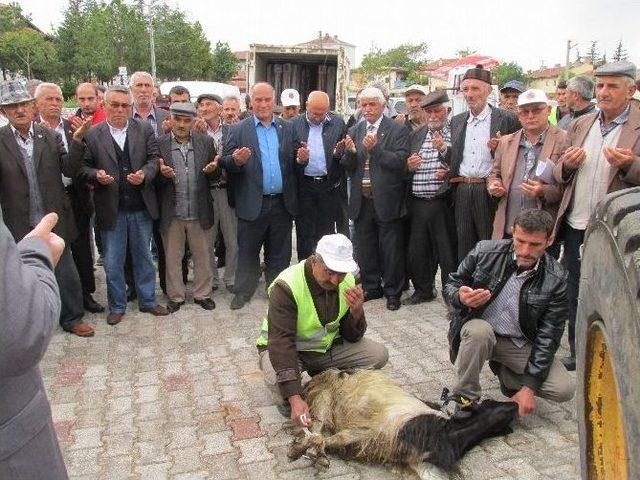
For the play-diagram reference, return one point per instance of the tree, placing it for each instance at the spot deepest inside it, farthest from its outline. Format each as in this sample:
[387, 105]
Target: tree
[224, 64]
[407, 57]
[593, 56]
[509, 71]
[620, 53]
[26, 50]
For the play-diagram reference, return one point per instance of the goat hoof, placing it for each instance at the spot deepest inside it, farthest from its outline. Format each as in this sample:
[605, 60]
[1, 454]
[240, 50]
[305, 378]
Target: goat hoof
[295, 451]
[322, 463]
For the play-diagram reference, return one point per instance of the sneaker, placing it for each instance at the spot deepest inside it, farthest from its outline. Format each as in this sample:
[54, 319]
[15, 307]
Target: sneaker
[456, 405]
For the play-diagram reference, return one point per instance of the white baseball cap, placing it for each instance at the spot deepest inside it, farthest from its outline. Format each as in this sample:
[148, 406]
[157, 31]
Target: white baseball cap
[336, 251]
[290, 97]
[533, 95]
[415, 88]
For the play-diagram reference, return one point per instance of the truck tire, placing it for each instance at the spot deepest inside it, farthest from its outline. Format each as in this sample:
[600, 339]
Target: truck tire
[608, 341]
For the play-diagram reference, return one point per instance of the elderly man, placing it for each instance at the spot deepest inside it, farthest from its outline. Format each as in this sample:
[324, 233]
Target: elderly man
[432, 232]
[121, 161]
[578, 99]
[321, 177]
[518, 178]
[186, 208]
[262, 152]
[414, 98]
[511, 304]
[89, 103]
[376, 152]
[49, 105]
[315, 321]
[230, 110]
[474, 137]
[509, 95]
[29, 311]
[603, 156]
[141, 85]
[290, 100]
[34, 160]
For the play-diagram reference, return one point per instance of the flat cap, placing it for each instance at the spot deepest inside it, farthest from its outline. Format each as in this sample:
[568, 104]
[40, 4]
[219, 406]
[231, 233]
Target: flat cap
[435, 98]
[209, 96]
[622, 68]
[183, 108]
[478, 73]
[514, 85]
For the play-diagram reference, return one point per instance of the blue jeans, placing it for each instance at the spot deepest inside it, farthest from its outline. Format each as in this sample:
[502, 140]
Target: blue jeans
[132, 229]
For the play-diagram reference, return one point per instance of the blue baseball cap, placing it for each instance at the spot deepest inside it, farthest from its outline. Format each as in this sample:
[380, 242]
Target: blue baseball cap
[514, 85]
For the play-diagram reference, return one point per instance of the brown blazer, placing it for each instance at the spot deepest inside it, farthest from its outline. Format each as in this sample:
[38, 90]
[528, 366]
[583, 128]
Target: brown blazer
[504, 165]
[618, 179]
[51, 160]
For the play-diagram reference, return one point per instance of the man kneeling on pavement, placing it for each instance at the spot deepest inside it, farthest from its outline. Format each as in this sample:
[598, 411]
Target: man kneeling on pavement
[315, 321]
[511, 306]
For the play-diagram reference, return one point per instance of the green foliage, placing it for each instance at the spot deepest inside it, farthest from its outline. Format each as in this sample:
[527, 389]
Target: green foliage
[26, 51]
[620, 53]
[509, 71]
[407, 57]
[224, 64]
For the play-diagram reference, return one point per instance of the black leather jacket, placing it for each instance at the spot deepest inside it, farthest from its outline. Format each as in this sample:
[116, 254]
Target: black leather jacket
[542, 302]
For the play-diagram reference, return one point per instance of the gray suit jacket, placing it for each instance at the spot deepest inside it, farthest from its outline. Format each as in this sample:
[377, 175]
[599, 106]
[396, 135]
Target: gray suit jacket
[51, 159]
[204, 150]
[100, 154]
[29, 312]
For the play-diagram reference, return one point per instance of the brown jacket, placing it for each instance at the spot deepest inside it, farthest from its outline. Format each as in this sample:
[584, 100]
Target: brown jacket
[618, 179]
[282, 316]
[504, 165]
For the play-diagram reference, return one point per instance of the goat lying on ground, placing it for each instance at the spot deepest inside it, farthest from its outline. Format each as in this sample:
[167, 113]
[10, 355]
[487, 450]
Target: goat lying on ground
[363, 415]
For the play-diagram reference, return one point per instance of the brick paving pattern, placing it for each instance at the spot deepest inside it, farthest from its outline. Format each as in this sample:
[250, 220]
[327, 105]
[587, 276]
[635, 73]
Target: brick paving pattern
[182, 397]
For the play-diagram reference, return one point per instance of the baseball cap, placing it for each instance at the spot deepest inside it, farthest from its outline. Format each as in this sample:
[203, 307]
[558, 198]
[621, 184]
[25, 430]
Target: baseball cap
[336, 251]
[290, 98]
[513, 85]
[533, 95]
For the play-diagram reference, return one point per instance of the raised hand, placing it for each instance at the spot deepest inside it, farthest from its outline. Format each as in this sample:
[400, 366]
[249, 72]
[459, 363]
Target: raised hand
[241, 155]
[165, 170]
[103, 178]
[136, 178]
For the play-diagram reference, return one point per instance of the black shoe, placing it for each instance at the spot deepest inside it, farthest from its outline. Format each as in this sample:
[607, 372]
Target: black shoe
[418, 297]
[372, 295]
[90, 305]
[230, 288]
[174, 306]
[569, 363]
[284, 409]
[238, 302]
[206, 303]
[393, 303]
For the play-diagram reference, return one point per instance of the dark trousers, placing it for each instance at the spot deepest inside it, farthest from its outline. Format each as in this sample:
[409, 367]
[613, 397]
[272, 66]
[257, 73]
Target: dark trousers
[342, 215]
[81, 246]
[319, 204]
[573, 239]
[432, 230]
[157, 239]
[70, 291]
[380, 251]
[272, 229]
[474, 212]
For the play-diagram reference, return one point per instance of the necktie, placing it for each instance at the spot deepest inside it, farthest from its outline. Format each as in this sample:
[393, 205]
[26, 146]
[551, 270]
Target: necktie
[366, 178]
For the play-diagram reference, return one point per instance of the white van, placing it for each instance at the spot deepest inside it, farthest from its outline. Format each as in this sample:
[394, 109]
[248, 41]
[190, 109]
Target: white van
[198, 88]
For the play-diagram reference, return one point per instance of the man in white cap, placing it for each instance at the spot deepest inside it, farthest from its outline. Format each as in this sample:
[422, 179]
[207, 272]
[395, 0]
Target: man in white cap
[315, 321]
[518, 177]
[415, 118]
[290, 99]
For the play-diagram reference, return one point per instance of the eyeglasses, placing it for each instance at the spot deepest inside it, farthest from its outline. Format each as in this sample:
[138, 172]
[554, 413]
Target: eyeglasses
[527, 111]
[332, 273]
[116, 105]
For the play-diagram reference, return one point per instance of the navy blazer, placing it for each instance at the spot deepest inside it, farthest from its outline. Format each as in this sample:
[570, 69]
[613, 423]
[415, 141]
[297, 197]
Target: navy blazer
[247, 179]
[333, 130]
[100, 154]
[387, 169]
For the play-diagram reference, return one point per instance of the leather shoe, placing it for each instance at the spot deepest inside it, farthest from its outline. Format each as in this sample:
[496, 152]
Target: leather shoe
[393, 303]
[206, 303]
[569, 363]
[82, 330]
[114, 318]
[90, 305]
[372, 295]
[238, 302]
[174, 306]
[418, 298]
[157, 311]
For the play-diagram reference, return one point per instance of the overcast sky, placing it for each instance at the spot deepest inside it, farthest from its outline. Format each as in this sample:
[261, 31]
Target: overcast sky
[525, 32]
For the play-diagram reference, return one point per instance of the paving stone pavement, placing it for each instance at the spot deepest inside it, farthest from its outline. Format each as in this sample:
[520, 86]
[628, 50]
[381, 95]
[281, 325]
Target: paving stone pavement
[182, 397]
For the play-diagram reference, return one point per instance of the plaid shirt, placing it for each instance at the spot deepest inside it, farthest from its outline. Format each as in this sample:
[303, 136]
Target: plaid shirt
[621, 119]
[425, 184]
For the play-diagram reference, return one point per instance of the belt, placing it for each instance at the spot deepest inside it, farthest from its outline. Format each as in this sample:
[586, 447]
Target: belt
[320, 178]
[467, 180]
[272, 195]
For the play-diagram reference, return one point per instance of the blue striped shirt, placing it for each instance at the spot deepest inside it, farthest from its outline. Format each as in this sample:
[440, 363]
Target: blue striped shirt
[270, 156]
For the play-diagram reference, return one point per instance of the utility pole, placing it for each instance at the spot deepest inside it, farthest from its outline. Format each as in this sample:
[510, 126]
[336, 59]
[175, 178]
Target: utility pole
[152, 42]
[566, 65]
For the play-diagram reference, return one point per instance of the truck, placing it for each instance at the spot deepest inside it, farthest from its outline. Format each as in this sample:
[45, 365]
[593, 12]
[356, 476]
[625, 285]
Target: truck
[304, 68]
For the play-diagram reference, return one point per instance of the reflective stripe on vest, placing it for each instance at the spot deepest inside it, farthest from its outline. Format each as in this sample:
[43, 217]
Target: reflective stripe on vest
[311, 335]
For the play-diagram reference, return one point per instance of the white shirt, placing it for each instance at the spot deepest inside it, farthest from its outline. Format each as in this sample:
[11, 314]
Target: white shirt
[476, 156]
[119, 135]
[25, 144]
